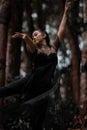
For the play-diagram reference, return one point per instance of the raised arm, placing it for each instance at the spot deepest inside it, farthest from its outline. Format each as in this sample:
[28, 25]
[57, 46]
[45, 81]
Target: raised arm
[62, 26]
[61, 29]
[27, 40]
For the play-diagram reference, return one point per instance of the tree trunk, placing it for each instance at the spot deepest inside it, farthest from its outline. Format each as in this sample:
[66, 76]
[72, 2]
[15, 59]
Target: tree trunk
[75, 61]
[28, 10]
[27, 63]
[41, 18]
[4, 20]
[75, 74]
[14, 45]
[83, 83]
[71, 34]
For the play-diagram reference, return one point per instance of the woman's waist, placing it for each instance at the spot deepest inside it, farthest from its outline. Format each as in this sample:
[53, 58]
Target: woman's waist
[45, 64]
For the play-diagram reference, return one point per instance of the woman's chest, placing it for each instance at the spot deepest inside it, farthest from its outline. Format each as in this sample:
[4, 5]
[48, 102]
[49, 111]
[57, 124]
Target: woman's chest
[47, 50]
[42, 59]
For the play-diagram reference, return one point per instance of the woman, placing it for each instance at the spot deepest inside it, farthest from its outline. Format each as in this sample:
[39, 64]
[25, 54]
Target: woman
[38, 81]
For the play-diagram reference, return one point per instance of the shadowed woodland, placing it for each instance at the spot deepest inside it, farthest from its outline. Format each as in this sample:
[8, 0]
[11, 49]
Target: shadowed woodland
[68, 105]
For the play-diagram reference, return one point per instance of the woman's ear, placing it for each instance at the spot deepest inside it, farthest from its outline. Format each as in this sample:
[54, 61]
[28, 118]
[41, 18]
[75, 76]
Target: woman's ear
[44, 35]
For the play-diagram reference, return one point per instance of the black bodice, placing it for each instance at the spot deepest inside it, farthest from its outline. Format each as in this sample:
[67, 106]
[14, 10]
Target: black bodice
[42, 59]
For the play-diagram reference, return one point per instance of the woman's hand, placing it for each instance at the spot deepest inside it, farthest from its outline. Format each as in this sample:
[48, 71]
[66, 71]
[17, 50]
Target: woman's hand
[19, 35]
[27, 40]
[68, 5]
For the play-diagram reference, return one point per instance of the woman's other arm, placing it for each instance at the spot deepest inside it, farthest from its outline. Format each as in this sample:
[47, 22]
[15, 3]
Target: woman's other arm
[27, 40]
[61, 30]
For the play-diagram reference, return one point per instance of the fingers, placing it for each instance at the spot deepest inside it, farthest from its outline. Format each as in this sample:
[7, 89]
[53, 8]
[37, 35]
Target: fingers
[68, 5]
[17, 35]
[68, 1]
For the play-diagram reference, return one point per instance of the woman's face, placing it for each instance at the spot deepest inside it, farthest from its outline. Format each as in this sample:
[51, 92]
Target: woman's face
[38, 37]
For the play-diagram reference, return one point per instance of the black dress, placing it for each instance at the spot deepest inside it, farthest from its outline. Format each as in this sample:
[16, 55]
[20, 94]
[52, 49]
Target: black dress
[36, 83]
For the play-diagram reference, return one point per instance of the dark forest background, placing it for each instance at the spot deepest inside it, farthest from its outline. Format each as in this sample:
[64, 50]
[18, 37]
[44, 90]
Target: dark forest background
[68, 105]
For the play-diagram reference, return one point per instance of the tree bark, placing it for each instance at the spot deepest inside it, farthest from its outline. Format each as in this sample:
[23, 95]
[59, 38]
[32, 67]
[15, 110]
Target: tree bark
[75, 67]
[27, 62]
[41, 18]
[71, 34]
[4, 20]
[14, 45]
[83, 83]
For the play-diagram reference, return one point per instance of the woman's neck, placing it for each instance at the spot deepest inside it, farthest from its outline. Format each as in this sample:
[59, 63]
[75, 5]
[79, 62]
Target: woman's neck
[43, 45]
